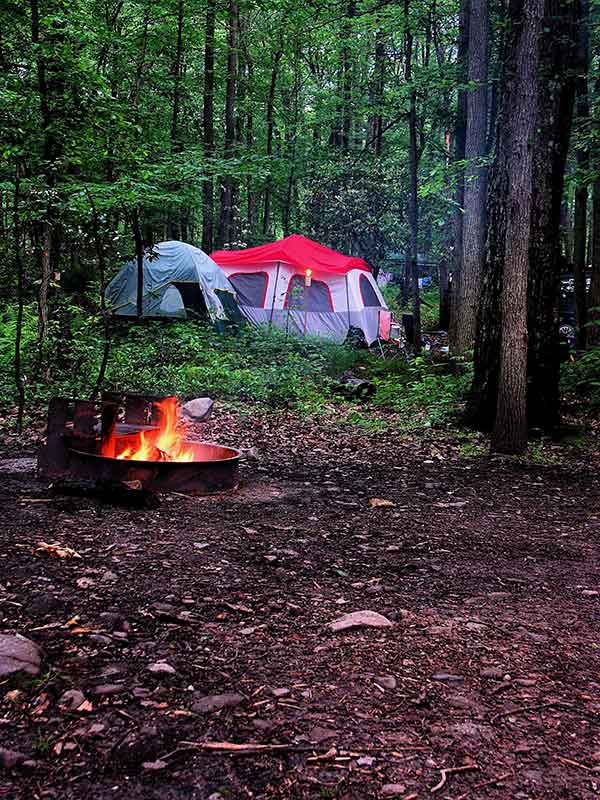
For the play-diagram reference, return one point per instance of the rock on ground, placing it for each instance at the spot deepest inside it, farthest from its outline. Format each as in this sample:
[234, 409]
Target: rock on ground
[360, 619]
[18, 654]
[198, 409]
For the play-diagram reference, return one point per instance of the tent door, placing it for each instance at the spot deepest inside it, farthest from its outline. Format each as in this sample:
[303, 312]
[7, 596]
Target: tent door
[193, 299]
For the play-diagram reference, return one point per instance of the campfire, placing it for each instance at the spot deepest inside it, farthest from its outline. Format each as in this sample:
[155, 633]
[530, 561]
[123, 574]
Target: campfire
[164, 443]
[132, 440]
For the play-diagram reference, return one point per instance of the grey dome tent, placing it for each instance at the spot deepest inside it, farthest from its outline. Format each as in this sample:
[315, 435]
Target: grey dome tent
[180, 281]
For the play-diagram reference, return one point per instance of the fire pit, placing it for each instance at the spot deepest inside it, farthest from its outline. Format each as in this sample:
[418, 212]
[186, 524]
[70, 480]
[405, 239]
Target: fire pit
[134, 440]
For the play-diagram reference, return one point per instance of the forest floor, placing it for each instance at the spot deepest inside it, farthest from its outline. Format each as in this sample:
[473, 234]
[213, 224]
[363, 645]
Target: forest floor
[486, 686]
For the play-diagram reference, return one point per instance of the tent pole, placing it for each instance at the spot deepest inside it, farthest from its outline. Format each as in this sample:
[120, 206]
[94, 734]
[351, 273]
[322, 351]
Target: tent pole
[274, 291]
[348, 300]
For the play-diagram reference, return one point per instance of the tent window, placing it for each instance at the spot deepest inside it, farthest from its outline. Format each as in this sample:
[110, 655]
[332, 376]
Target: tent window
[251, 288]
[367, 292]
[319, 296]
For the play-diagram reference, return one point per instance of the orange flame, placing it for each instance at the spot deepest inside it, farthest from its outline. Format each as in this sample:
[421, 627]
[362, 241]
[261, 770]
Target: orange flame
[166, 443]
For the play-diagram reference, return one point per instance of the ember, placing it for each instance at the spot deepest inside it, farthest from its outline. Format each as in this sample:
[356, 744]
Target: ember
[164, 443]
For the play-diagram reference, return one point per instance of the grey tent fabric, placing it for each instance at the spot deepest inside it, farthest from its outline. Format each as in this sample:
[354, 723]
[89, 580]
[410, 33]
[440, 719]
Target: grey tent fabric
[171, 267]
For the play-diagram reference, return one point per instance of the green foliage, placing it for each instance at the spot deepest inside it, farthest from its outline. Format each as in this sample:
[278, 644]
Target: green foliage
[430, 305]
[581, 378]
[427, 391]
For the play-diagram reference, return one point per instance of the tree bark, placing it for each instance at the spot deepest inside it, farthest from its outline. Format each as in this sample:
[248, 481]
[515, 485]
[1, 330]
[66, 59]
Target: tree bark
[139, 257]
[19, 381]
[519, 119]
[581, 189]
[554, 93]
[208, 127]
[270, 131]
[413, 162]
[468, 286]
[459, 150]
[556, 89]
[228, 185]
[593, 331]
[175, 227]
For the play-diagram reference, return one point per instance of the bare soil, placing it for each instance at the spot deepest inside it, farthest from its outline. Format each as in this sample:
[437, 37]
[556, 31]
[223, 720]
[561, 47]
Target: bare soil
[487, 567]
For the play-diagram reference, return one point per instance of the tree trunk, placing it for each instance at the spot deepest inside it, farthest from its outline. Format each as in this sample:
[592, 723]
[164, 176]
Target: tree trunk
[413, 162]
[347, 78]
[139, 257]
[50, 86]
[208, 127]
[174, 224]
[19, 381]
[270, 131]
[462, 333]
[228, 186]
[375, 127]
[581, 190]
[556, 90]
[593, 335]
[519, 121]
[554, 95]
[459, 149]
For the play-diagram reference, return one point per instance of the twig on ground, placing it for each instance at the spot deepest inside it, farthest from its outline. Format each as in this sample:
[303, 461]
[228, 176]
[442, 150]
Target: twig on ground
[449, 771]
[481, 785]
[573, 763]
[523, 709]
[234, 747]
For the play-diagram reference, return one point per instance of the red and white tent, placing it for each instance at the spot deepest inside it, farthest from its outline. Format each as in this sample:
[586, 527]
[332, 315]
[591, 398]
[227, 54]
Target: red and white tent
[302, 286]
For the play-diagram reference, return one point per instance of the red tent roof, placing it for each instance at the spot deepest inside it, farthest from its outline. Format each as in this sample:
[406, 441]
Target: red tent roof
[295, 250]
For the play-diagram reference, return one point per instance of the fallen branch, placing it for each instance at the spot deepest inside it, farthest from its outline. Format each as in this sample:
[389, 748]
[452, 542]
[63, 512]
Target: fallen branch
[449, 771]
[523, 709]
[481, 785]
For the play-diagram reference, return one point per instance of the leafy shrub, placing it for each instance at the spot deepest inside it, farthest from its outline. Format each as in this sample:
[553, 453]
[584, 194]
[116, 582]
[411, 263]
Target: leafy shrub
[582, 377]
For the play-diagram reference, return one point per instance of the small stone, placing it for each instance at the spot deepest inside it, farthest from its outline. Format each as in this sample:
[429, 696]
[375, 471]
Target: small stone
[252, 454]
[283, 692]
[215, 702]
[198, 409]
[161, 668]
[154, 765]
[365, 761]
[386, 681]
[115, 622]
[109, 577]
[18, 654]
[392, 789]
[492, 672]
[360, 619]
[107, 689]
[525, 681]
[71, 700]
[319, 734]
[590, 593]
[447, 677]
[11, 758]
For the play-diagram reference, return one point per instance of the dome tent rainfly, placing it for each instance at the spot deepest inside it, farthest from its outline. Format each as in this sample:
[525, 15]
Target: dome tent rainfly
[180, 280]
[305, 287]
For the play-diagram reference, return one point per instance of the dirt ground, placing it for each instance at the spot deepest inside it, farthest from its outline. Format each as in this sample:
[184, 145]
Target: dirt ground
[488, 569]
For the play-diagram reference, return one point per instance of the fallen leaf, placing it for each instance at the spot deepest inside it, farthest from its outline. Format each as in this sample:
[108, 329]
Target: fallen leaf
[55, 550]
[379, 502]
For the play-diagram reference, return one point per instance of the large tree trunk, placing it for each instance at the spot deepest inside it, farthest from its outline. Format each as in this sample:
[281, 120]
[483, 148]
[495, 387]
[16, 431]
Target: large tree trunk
[554, 86]
[226, 221]
[208, 127]
[515, 155]
[413, 165]
[468, 287]
[581, 190]
[375, 127]
[347, 78]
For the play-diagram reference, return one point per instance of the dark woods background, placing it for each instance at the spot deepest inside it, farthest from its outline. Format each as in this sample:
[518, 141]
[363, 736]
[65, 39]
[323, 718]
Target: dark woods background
[433, 129]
